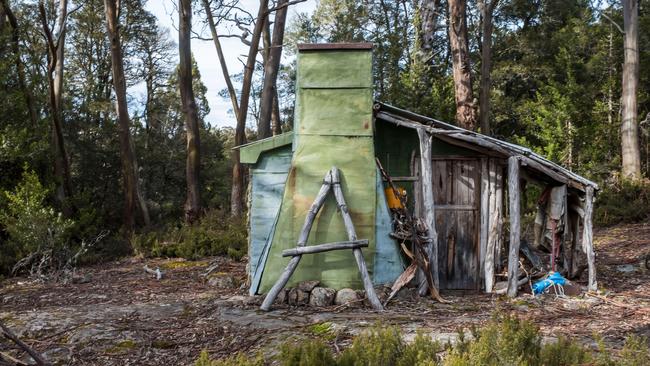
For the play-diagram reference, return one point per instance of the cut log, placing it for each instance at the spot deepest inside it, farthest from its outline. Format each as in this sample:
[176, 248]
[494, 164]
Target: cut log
[513, 198]
[325, 247]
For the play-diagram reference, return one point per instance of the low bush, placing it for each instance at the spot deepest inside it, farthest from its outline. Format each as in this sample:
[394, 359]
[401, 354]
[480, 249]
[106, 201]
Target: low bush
[215, 234]
[505, 340]
[624, 202]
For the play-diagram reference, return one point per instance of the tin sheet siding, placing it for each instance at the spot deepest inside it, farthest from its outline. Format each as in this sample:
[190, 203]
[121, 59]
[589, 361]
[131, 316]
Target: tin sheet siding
[268, 178]
[388, 260]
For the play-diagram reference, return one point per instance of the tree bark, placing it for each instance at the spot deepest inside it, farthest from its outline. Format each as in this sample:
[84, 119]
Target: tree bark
[429, 15]
[631, 153]
[271, 67]
[192, 203]
[458, 41]
[237, 192]
[56, 46]
[132, 195]
[487, 12]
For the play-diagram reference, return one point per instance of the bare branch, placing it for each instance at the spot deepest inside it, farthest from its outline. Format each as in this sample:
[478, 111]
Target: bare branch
[285, 5]
[613, 22]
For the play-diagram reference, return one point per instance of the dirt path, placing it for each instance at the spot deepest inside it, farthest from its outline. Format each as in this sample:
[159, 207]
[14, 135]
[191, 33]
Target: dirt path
[124, 316]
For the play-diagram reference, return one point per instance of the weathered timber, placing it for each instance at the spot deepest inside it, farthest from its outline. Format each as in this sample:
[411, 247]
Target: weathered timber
[587, 239]
[500, 209]
[428, 209]
[513, 199]
[492, 228]
[302, 240]
[485, 214]
[352, 235]
[312, 249]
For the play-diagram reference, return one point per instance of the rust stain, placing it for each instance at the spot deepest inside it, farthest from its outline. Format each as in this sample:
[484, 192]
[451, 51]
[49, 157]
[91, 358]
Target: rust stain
[366, 124]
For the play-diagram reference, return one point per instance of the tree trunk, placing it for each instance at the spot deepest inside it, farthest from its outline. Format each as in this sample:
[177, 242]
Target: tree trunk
[56, 46]
[275, 117]
[631, 153]
[487, 10]
[271, 67]
[458, 41]
[237, 192]
[20, 68]
[132, 195]
[429, 15]
[192, 203]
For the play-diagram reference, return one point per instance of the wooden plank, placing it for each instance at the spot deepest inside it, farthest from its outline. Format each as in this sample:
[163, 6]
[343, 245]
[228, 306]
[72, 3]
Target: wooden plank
[485, 212]
[493, 216]
[515, 208]
[352, 235]
[312, 249]
[404, 179]
[500, 209]
[441, 196]
[587, 239]
[302, 240]
[428, 208]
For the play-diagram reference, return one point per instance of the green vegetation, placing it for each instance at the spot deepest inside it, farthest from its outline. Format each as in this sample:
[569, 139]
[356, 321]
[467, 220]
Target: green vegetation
[625, 202]
[505, 340]
[215, 234]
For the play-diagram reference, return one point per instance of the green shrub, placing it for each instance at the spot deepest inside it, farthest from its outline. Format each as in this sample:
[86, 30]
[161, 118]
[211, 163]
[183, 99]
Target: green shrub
[215, 234]
[505, 340]
[31, 225]
[624, 202]
[379, 346]
[635, 352]
[237, 360]
[306, 353]
[564, 352]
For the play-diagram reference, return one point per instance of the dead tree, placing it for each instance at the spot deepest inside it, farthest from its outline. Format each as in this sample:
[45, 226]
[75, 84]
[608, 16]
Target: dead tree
[132, 195]
[192, 202]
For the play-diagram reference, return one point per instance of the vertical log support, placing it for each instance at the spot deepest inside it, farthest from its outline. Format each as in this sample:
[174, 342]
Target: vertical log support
[428, 209]
[587, 238]
[515, 225]
[494, 212]
[484, 212]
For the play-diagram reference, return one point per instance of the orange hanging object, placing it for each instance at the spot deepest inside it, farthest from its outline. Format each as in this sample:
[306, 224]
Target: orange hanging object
[393, 199]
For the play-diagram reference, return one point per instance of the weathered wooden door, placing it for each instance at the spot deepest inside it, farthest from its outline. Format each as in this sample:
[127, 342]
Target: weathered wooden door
[456, 190]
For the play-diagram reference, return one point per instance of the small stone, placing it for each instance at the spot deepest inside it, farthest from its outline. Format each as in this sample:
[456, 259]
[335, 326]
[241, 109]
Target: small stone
[298, 297]
[346, 296]
[626, 268]
[308, 285]
[322, 296]
[222, 281]
[282, 297]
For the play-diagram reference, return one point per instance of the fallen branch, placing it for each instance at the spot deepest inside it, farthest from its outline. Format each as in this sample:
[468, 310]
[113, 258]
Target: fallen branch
[37, 357]
[12, 360]
[157, 272]
[520, 283]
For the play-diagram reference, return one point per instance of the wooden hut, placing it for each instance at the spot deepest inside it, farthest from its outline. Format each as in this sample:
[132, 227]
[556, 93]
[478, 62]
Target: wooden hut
[465, 186]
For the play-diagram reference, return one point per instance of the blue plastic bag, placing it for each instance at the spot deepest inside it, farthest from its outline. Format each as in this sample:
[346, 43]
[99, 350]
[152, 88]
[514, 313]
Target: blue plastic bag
[554, 278]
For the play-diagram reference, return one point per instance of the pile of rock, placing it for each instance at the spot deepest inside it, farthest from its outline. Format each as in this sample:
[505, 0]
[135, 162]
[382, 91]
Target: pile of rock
[309, 293]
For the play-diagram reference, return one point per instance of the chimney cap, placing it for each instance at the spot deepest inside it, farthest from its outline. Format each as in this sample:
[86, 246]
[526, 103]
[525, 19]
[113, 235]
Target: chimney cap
[334, 46]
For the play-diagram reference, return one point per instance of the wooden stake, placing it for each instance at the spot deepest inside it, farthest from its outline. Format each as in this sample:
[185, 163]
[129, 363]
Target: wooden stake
[587, 238]
[428, 209]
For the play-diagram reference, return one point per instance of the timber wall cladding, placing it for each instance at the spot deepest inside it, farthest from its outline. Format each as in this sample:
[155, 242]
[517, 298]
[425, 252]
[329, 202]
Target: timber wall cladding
[456, 189]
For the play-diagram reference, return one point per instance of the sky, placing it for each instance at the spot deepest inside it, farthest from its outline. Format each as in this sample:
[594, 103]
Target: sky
[206, 55]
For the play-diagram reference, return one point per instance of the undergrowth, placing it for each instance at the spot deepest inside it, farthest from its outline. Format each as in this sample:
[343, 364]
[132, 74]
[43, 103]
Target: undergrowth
[624, 202]
[505, 340]
[216, 233]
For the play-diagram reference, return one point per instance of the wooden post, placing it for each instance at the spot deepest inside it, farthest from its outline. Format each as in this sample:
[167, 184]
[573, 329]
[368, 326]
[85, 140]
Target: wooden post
[327, 247]
[587, 238]
[302, 240]
[493, 219]
[485, 212]
[513, 198]
[352, 236]
[428, 209]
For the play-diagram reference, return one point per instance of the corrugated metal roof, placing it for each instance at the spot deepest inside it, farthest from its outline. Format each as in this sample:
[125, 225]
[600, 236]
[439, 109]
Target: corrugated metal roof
[450, 132]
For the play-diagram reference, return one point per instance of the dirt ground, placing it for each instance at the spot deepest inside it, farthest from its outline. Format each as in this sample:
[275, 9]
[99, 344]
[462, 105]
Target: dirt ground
[124, 316]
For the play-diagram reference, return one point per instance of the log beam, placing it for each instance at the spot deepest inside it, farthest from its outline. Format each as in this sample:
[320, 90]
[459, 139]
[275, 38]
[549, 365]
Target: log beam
[320, 248]
[587, 238]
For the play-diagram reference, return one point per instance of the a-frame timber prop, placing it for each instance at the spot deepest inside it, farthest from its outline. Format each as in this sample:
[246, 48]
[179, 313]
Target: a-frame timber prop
[332, 182]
